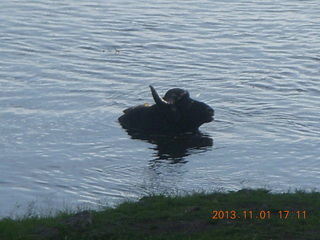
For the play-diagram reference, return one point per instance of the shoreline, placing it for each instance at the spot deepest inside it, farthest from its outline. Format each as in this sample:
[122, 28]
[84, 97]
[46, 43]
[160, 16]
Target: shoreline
[245, 214]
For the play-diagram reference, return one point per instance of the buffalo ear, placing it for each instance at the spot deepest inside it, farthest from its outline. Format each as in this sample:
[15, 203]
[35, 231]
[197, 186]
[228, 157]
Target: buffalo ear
[158, 100]
[184, 98]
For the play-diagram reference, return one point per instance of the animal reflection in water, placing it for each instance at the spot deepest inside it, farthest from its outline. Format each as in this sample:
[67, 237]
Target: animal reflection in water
[172, 123]
[175, 147]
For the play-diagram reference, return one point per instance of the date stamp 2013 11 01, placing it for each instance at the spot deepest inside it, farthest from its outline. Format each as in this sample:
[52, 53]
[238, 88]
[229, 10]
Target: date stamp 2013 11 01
[284, 214]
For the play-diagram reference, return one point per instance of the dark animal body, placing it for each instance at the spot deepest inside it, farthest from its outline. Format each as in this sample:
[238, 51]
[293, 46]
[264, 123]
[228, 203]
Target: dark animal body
[176, 112]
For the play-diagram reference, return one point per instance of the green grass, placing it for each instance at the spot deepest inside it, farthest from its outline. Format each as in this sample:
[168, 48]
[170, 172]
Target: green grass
[184, 217]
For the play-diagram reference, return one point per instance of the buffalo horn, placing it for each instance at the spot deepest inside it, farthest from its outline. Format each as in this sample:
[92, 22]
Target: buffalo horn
[157, 98]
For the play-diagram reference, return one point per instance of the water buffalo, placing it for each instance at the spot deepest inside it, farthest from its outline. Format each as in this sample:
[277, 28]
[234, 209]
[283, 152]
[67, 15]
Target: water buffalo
[175, 113]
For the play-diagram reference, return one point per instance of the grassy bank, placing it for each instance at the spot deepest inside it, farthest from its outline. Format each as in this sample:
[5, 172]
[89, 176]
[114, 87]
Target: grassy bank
[246, 214]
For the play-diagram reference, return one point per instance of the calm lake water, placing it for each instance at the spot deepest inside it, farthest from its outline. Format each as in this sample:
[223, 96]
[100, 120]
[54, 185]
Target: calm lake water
[69, 68]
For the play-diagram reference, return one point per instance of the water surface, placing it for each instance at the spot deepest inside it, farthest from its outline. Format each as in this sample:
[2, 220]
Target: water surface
[68, 69]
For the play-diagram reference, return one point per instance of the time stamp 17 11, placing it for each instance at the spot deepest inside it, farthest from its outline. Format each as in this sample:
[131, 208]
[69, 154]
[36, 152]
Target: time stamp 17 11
[284, 214]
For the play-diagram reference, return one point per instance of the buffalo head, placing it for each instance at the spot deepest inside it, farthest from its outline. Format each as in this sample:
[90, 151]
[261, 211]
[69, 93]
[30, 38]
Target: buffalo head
[176, 112]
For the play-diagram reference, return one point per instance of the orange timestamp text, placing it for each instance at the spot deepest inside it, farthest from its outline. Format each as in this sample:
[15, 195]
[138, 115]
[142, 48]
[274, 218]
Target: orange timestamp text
[285, 214]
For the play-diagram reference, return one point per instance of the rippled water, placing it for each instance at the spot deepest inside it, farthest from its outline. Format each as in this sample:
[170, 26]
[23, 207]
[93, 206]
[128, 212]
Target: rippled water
[69, 68]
